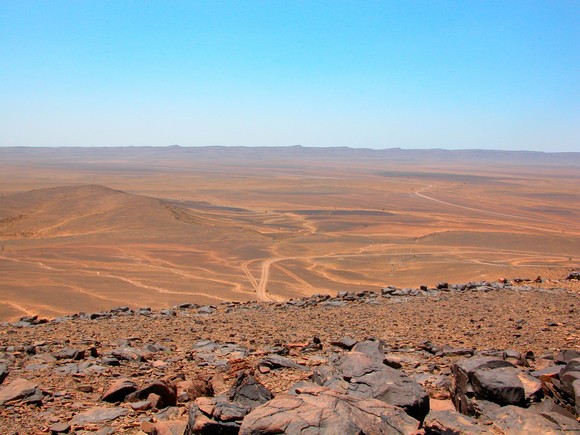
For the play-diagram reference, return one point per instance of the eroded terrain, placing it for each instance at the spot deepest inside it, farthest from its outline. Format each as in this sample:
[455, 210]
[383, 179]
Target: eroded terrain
[87, 229]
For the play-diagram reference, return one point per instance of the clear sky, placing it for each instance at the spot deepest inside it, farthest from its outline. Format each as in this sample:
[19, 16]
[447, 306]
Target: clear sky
[379, 74]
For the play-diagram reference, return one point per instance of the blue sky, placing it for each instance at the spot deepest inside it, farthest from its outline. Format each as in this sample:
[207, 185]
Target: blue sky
[379, 74]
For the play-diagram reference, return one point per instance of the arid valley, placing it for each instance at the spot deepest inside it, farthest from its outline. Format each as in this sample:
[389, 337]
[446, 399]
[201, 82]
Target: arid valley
[87, 229]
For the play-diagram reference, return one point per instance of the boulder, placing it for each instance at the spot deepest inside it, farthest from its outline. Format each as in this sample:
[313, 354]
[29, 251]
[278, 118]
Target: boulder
[500, 385]
[372, 348]
[323, 411]
[18, 389]
[566, 355]
[192, 389]
[248, 391]
[166, 392]
[364, 375]
[215, 415]
[464, 369]
[118, 390]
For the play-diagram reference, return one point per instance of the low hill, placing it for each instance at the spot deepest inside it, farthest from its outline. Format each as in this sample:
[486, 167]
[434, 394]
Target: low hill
[80, 210]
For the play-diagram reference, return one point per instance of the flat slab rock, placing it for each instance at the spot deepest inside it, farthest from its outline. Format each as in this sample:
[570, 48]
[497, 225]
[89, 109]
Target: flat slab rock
[514, 420]
[19, 388]
[452, 422]
[319, 410]
[98, 415]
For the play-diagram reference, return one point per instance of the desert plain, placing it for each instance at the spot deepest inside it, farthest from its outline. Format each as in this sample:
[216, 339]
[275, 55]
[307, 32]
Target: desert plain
[87, 229]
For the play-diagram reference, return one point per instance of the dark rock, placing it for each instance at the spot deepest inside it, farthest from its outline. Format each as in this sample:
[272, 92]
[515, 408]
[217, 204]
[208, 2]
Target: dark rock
[500, 385]
[276, 361]
[565, 356]
[110, 361]
[447, 350]
[18, 389]
[98, 415]
[429, 347]
[3, 372]
[206, 310]
[248, 391]
[74, 354]
[365, 376]
[372, 348]
[215, 415]
[166, 392]
[60, 428]
[463, 369]
[548, 372]
[452, 423]
[572, 366]
[574, 275]
[576, 388]
[118, 390]
[320, 410]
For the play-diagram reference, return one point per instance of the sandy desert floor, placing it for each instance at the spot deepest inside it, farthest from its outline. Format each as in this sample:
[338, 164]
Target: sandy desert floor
[85, 230]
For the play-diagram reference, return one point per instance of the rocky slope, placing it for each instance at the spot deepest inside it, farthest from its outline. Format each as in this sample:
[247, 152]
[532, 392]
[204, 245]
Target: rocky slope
[485, 357]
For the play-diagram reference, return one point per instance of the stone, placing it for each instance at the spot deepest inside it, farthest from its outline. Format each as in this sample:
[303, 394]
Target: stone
[18, 389]
[171, 427]
[500, 385]
[514, 420]
[323, 411]
[533, 390]
[142, 405]
[68, 353]
[59, 428]
[248, 391]
[166, 392]
[371, 348]
[571, 366]
[98, 415]
[547, 372]
[118, 390]
[274, 361]
[566, 424]
[3, 372]
[192, 389]
[344, 343]
[215, 415]
[574, 275]
[576, 388]
[452, 423]
[564, 356]
[360, 375]
[464, 369]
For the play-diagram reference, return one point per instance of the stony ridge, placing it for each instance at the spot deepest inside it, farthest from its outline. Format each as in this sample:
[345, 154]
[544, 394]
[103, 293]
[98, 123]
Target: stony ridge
[504, 353]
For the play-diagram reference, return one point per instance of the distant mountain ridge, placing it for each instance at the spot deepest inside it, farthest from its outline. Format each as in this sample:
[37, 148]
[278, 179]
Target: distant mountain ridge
[298, 151]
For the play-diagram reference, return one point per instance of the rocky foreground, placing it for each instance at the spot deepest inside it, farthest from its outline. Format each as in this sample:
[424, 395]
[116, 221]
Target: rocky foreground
[483, 357]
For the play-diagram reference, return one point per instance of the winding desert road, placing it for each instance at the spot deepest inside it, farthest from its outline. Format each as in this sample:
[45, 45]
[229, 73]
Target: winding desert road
[420, 194]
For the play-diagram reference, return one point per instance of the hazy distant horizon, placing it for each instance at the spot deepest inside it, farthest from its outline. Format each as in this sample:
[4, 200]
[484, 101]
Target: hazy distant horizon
[415, 75]
[296, 145]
